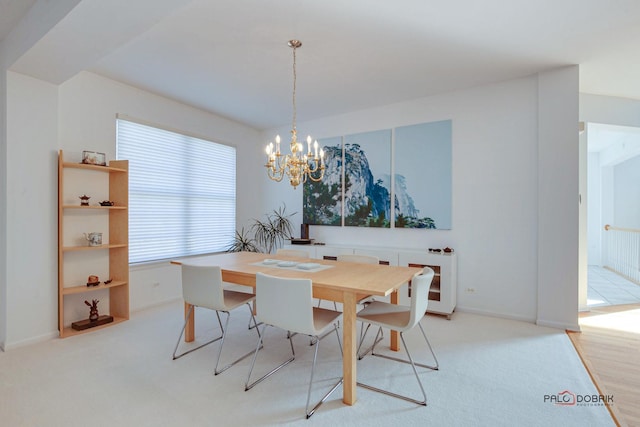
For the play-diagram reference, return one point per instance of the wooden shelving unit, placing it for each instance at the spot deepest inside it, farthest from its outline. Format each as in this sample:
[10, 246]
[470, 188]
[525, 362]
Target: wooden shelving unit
[114, 252]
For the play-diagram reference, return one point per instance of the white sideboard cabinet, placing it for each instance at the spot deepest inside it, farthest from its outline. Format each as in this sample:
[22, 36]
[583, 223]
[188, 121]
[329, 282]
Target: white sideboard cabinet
[443, 291]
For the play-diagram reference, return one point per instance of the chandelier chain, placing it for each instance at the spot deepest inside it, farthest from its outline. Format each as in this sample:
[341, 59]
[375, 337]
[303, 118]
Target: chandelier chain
[294, 89]
[300, 165]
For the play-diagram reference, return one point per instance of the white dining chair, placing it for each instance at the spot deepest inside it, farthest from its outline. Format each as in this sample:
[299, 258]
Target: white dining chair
[202, 286]
[358, 258]
[401, 319]
[287, 304]
[294, 253]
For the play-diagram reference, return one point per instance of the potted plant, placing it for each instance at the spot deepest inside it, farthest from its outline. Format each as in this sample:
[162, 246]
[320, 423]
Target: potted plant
[268, 234]
[242, 242]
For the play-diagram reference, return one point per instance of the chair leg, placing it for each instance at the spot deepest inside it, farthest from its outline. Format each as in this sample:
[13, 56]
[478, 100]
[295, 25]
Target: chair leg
[217, 371]
[436, 367]
[379, 337]
[413, 366]
[335, 306]
[432, 367]
[252, 319]
[186, 319]
[248, 385]
[313, 367]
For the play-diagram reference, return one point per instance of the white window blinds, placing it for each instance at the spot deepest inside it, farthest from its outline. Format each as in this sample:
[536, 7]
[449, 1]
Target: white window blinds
[182, 193]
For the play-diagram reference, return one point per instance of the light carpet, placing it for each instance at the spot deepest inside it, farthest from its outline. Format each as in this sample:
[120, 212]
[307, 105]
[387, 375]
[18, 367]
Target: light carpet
[493, 372]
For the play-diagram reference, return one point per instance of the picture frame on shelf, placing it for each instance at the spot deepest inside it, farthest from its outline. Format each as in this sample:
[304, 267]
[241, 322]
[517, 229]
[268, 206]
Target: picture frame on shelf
[94, 158]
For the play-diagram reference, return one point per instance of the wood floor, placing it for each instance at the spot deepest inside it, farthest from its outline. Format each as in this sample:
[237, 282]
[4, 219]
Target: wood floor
[609, 346]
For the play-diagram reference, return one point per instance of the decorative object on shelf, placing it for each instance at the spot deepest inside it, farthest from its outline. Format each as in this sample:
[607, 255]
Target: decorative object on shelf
[435, 250]
[94, 238]
[93, 280]
[106, 203]
[94, 318]
[93, 158]
[106, 282]
[93, 310]
[447, 250]
[297, 166]
[84, 200]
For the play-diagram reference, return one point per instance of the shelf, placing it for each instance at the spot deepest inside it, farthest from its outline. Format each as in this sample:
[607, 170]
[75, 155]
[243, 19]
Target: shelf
[92, 248]
[71, 165]
[73, 215]
[93, 207]
[69, 331]
[84, 288]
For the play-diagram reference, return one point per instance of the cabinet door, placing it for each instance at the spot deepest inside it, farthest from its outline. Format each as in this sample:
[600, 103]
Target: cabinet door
[332, 252]
[442, 294]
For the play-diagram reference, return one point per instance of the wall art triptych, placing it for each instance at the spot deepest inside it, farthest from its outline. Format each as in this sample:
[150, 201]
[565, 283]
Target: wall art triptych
[409, 166]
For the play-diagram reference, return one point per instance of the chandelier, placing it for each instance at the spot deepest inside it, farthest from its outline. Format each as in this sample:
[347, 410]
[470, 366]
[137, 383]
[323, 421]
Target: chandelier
[297, 166]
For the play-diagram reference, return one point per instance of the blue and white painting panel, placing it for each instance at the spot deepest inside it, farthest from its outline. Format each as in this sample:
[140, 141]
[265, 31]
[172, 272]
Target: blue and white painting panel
[423, 160]
[322, 201]
[367, 186]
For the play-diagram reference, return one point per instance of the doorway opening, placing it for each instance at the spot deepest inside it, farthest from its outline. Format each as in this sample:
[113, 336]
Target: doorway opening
[613, 214]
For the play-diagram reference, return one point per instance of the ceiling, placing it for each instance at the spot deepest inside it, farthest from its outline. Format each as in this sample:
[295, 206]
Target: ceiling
[231, 57]
[11, 12]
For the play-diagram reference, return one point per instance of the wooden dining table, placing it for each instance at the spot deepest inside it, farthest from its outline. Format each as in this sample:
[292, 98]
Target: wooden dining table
[343, 282]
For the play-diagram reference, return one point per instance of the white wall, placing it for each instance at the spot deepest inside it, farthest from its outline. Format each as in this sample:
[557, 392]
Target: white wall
[78, 115]
[3, 204]
[594, 219]
[495, 193]
[38, 21]
[32, 127]
[626, 176]
[495, 188]
[609, 110]
[558, 199]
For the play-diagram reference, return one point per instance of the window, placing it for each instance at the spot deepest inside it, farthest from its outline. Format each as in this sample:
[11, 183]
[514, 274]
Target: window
[182, 192]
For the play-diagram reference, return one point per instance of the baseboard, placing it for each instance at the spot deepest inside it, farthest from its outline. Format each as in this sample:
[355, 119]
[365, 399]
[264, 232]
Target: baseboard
[29, 341]
[559, 325]
[156, 304]
[7, 346]
[495, 314]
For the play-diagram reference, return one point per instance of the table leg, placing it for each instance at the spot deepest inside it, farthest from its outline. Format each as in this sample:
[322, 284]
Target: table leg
[393, 345]
[189, 331]
[349, 345]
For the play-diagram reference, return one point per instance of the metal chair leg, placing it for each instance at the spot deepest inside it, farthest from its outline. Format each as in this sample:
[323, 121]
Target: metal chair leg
[248, 385]
[379, 337]
[186, 319]
[255, 325]
[432, 367]
[335, 306]
[217, 371]
[410, 361]
[313, 367]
